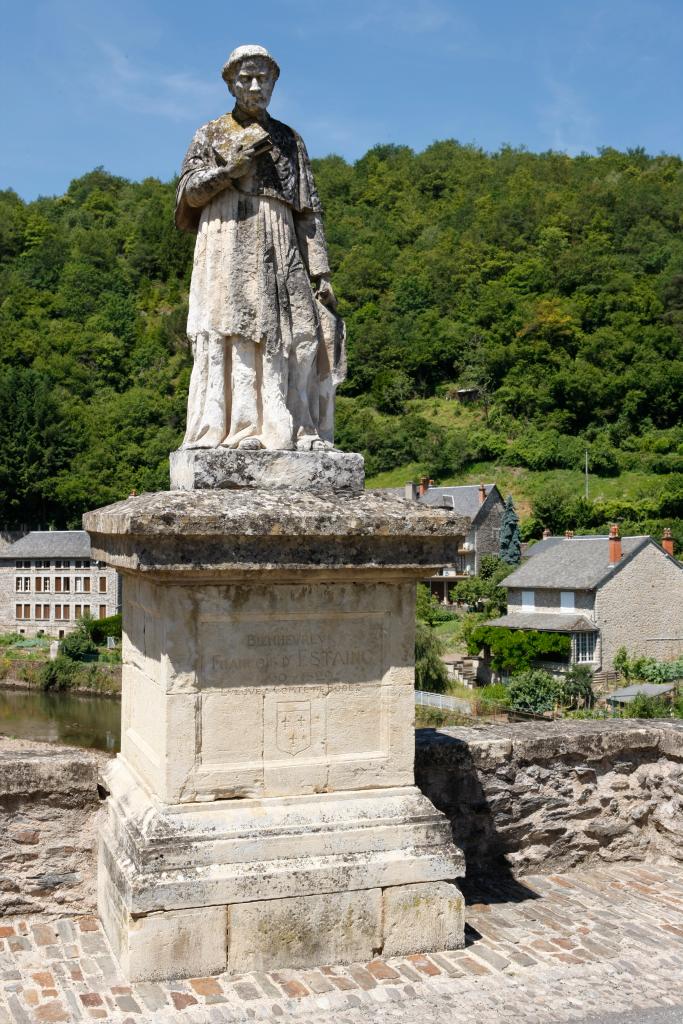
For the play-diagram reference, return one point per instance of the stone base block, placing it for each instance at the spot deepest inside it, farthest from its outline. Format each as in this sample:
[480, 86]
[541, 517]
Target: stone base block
[422, 918]
[197, 469]
[165, 944]
[262, 884]
[305, 931]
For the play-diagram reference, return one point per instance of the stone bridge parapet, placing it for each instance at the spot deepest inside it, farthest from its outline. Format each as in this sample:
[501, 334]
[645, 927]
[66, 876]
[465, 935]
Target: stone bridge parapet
[544, 797]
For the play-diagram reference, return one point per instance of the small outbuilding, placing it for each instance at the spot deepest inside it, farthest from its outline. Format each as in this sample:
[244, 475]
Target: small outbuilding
[618, 698]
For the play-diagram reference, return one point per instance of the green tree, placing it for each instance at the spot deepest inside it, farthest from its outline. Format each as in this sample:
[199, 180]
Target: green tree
[510, 544]
[483, 592]
[430, 671]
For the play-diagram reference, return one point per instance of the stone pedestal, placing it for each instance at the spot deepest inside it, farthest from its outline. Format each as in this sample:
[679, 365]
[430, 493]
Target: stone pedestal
[262, 812]
[233, 468]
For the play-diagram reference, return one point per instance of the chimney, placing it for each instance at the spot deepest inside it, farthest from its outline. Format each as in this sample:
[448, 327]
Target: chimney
[668, 541]
[547, 533]
[568, 534]
[482, 493]
[410, 492]
[424, 484]
[614, 542]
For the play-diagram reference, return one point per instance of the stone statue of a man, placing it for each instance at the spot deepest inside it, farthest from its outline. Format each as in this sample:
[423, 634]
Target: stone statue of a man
[268, 347]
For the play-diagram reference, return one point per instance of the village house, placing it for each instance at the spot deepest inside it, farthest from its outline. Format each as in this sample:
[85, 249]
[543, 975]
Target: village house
[602, 592]
[49, 580]
[483, 505]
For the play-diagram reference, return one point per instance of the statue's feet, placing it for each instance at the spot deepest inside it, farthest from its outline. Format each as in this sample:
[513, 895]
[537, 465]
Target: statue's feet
[211, 439]
[313, 444]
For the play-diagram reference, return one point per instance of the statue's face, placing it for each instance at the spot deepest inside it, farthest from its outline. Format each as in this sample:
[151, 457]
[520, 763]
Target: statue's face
[253, 84]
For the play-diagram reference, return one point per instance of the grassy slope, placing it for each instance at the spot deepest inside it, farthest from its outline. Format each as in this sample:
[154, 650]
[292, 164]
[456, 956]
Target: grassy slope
[520, 482]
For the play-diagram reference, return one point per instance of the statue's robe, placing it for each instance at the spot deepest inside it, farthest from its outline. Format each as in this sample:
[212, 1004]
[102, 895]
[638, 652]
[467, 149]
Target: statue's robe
[253, 320]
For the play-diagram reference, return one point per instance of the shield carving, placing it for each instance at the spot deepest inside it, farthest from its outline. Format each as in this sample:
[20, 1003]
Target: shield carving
[293, 726]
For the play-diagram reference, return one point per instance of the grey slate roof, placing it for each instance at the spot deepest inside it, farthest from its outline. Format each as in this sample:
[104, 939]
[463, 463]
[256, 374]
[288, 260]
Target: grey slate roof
[548, 621]
[581, 563]
[627, 693]
[464, 499]
[50, 544]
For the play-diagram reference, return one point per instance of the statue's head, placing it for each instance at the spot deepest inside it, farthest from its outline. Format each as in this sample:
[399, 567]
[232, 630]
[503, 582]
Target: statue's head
[251, 73]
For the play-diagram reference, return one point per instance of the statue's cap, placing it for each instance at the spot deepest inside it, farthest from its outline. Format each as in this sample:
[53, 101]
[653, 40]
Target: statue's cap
[243, 53]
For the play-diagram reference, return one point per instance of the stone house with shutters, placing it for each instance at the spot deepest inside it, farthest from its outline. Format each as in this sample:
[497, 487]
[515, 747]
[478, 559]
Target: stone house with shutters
[49, 580]
[602, 592]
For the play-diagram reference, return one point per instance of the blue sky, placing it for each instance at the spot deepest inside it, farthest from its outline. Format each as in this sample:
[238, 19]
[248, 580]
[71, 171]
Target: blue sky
[125, 83]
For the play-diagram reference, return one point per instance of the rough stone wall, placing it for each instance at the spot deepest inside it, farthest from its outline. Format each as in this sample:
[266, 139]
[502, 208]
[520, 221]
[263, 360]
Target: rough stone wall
[48, 814]
[547, 600]
[487, 532]
[8, 622]
[641, 608]
[546, 797]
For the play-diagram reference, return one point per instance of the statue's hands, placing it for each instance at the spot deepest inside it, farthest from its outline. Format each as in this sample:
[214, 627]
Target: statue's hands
[325, 293]
[253, 142]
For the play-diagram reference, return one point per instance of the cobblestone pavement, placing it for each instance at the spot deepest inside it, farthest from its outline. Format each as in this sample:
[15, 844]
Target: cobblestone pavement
[545, 949]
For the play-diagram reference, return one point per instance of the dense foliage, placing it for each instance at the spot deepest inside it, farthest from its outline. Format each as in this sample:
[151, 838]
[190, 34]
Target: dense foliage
[647, 670]
[552, 285]
[513, 650]
[538, 691]
[428, 608]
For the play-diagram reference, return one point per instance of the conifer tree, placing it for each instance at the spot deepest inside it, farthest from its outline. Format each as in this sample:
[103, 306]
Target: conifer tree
[510, 545]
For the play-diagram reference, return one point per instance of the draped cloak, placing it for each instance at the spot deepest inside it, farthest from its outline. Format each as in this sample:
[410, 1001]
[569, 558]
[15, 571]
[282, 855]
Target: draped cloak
[257, 241]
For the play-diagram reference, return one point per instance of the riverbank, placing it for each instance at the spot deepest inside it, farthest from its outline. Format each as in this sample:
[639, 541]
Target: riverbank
[113, 693]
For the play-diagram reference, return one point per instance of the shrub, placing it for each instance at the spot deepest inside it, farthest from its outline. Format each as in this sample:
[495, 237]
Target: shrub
[57, 674]
[535, 691]
[577, 687]
[7, 639]
[495, 691]
[78, 646]
[430, 671]
[643, 706]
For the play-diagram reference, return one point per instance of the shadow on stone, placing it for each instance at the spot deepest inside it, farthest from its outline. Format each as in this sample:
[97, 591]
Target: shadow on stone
[446, 772]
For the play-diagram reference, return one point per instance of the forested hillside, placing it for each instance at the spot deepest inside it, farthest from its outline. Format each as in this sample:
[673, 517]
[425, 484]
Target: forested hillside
[552, 284]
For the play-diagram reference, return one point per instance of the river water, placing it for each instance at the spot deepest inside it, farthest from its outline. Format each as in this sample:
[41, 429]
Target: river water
[79, 721]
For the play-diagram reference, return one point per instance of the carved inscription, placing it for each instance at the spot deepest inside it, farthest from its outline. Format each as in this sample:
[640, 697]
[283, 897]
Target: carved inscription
[293, 726]
[252, 651]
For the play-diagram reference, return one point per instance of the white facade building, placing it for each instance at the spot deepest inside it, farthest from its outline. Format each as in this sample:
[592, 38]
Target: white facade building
[49, 580]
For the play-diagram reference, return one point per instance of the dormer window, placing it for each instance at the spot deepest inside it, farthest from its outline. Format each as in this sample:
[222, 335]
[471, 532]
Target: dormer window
[528, 601]
[567, 600]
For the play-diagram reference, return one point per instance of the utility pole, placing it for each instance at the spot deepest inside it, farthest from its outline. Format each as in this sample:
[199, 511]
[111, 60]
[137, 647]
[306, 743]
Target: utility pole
[586, 474]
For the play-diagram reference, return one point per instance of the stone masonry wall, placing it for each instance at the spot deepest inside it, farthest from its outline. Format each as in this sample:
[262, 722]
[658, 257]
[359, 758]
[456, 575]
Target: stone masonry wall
[545, 797]
[48, 819]
[547, 600]
[53, 627]
[488, 533]
[641, 608]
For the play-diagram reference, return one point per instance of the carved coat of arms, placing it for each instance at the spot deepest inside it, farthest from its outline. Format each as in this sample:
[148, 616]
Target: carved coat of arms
[293, 726]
